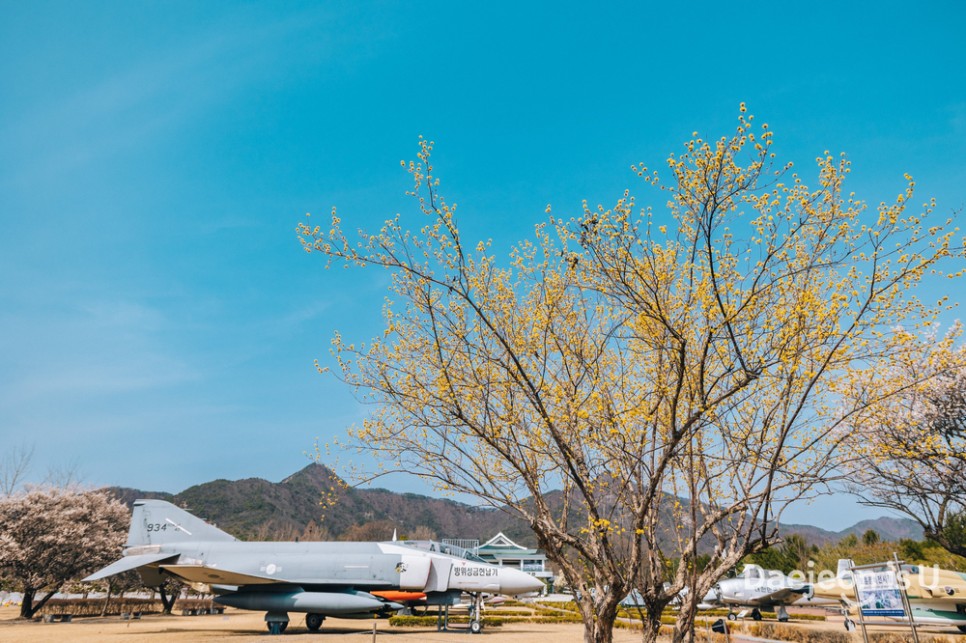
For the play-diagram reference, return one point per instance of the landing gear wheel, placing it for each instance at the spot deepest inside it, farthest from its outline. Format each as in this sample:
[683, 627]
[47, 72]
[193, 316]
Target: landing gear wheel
[756, 614]
[314, 622]
[732, 616]
[276, 621]
[476, 627]
[961, 628]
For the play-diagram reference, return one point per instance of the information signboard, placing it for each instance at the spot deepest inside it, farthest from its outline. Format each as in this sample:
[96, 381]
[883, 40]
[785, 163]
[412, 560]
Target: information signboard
[879, 593]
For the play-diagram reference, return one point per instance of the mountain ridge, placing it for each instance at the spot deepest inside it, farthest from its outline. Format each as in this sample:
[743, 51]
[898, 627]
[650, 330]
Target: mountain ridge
[315, 502]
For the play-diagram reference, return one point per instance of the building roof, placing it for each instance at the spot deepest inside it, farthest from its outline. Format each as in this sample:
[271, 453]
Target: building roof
[501, 544]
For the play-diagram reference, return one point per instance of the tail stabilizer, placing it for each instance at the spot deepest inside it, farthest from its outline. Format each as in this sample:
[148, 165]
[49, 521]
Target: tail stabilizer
[128, 563]
[156, 522]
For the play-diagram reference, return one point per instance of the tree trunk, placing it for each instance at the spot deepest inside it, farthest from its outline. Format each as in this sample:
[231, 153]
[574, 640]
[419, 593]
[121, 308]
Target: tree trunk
[652, 621]
[29, 607]
[26, 605]
[684, 627]
[651, 626]
[107, 599]
[598, 616]
[649, 614]
[598, 632]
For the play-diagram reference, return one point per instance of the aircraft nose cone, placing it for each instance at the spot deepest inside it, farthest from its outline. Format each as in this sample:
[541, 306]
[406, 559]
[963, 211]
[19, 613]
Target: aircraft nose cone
[514, 581]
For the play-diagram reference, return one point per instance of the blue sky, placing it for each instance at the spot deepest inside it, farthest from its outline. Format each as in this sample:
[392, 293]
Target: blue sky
[158, 320]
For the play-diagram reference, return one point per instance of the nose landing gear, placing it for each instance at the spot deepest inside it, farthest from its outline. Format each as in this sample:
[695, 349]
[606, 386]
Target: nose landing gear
[476, 614]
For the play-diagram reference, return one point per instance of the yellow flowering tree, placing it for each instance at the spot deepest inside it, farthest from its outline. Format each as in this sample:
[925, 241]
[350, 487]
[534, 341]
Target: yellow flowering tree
[641, 389]
[908, 450]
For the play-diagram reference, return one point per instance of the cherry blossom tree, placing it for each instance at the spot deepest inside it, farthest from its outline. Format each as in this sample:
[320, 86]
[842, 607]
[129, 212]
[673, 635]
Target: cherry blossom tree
[50, 536]
[908, 451]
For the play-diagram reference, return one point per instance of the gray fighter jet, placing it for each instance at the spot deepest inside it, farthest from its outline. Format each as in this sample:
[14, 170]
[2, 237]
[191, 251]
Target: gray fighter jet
[344, 579]
[758, 589]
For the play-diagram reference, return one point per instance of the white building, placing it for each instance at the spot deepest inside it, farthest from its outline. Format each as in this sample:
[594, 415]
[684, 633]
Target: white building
[502, 551]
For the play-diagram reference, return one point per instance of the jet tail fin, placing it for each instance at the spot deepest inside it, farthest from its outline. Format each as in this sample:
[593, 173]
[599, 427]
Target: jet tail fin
[156, 522]
[845, 565]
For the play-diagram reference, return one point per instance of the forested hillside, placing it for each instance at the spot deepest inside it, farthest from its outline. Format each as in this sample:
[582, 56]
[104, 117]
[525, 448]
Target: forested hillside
[315, 503]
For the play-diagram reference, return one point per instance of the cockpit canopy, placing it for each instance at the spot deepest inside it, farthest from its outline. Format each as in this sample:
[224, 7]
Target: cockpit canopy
[755, 573]
[444, 548]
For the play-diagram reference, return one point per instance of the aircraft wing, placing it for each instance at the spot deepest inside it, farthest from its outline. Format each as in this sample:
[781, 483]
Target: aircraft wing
[219, 576]
[128, 563]
[782, 596]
